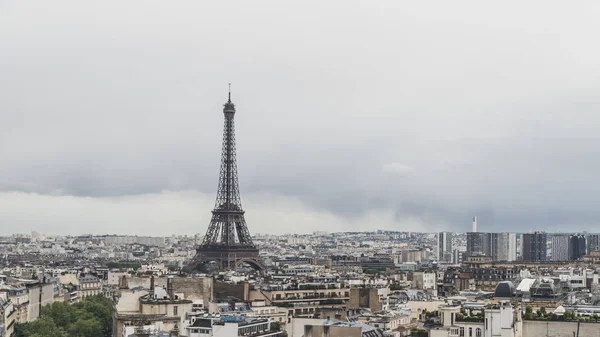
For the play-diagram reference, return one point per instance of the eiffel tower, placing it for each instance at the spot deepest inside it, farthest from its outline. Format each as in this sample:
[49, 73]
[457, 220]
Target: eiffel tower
[227, 241]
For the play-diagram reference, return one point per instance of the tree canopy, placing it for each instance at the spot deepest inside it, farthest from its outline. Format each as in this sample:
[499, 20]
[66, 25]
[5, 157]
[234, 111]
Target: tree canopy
[91, 317]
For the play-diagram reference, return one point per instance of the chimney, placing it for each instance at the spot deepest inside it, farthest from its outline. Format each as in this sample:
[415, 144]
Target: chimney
[152, 287]
[475, 224]
[170, 287]
[175, 331]
[123, 284]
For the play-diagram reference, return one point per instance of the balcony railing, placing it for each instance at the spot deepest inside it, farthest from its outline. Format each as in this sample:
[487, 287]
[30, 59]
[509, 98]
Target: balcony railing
[303, 298]
[478, 319]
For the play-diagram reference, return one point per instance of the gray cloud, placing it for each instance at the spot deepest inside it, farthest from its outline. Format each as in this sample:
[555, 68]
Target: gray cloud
[358, 115]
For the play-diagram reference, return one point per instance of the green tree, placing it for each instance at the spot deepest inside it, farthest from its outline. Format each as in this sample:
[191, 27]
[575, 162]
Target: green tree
[91, 317]
[419, 333]
[276, 325]
[100, 308]
[86, 328]
[43, 326]
[61, 313]
[528, 312]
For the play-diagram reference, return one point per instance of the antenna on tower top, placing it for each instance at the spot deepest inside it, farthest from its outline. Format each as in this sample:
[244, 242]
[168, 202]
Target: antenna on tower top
[229, 92]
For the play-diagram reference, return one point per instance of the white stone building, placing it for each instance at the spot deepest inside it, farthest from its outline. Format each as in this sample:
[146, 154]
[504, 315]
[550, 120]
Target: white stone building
[499, 320]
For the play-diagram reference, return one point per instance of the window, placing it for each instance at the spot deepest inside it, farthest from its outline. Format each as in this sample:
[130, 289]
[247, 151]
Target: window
[486, 324]
[175, 311]
[478, 332]
[470, 332]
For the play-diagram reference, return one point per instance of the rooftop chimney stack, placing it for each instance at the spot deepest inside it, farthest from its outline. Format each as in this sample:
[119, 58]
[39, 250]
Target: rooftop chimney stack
[152, 287]
[170, 287]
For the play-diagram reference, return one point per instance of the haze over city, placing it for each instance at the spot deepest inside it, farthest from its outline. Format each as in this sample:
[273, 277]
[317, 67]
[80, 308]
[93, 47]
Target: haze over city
[350, 115]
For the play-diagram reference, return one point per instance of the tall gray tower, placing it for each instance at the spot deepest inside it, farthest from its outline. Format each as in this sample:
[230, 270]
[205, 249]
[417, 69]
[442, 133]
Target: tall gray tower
[444, 247]
[227, 241]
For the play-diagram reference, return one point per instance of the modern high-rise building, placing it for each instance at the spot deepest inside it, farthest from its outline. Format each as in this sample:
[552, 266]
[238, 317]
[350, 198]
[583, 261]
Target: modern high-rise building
[444, 247]
[534, 246]
[576, 247]
[593, 242]
[479, 243]
[504, 246]
[458, 256]
[560, 247]
[499, 246]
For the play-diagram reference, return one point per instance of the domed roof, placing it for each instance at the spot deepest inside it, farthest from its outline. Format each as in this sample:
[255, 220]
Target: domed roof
[505, 289]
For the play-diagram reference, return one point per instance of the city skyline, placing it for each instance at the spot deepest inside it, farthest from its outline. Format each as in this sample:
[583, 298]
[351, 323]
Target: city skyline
[310, 168]
[295, 233]
[110, 118]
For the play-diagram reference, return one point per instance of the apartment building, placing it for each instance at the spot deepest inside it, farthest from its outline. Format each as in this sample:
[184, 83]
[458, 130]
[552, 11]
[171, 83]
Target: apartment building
[89, 285]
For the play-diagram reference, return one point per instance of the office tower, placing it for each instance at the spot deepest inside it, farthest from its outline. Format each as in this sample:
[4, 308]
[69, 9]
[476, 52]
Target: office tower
[534, 246]
[512, 247]
[475, 224]
[458, 256]
[504, 246]
[593, 242]
[576, 247]
[560, 247]
[444, 247]
[479, 244]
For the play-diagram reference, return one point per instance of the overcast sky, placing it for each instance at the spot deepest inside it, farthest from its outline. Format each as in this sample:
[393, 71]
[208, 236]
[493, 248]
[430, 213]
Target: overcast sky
[351, 115]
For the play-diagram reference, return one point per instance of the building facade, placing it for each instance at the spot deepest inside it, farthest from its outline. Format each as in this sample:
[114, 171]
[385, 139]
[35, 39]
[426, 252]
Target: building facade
[89, 285]
[577, 247]
[40, 295]
[593, 243]
[504, 246]
[226, 326]
[560, 247]
[165, 303]
[479, 243]
[7, 315]
[499, 320]
[498, 246]
[444, 247]
[140, 240]
[424, 280]
[534, 246]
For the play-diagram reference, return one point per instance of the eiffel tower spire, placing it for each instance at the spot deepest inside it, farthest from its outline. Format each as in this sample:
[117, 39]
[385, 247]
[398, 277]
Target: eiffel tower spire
[227, 240]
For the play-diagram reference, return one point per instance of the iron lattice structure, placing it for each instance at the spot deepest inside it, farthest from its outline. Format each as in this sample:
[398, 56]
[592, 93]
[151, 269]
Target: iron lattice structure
[227, 241]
